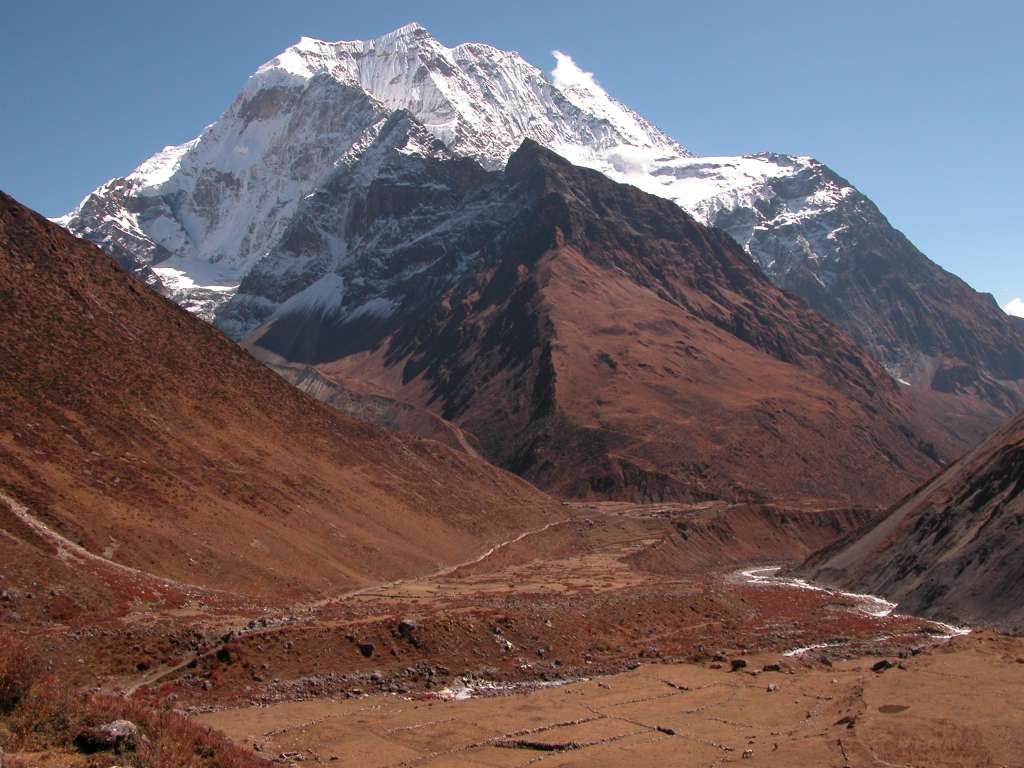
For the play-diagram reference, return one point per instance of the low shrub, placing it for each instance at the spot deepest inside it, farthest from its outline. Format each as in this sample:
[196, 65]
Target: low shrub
[39, 712]
[20, 668]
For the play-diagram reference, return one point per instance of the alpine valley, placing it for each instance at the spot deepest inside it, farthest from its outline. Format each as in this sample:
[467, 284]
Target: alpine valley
[427, 410]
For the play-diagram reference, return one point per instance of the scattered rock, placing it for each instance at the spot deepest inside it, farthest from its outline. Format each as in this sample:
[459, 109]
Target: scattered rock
[747, 754]
[366, 649]
[406, 627]
[771, 668]
[772, 687]
[666, 731]
[738, 664]
[118, 736]
[881, 666]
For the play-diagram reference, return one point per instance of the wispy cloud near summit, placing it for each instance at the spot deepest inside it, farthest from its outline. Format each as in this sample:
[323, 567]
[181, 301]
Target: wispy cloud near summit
[567, 74]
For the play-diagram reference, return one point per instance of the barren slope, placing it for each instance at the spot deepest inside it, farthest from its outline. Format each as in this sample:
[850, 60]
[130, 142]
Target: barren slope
[952, 548]
[141, 433]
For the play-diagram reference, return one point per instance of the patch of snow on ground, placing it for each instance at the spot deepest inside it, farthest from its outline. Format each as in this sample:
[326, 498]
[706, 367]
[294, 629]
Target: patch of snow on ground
[323, 297]
[469, 689]
[176, 279]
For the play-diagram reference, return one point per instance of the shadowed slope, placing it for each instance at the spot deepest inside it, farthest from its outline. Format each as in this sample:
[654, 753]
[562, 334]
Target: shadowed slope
[952, 549]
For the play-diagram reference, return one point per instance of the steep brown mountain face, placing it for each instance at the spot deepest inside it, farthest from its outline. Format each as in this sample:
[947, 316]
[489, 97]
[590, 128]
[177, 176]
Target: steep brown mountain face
[952, 549]
[140, 433]
[953, 338]
[602, 343]
[925, 325]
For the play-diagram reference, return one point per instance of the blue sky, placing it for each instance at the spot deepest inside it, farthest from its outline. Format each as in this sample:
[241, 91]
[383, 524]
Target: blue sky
[919, 104]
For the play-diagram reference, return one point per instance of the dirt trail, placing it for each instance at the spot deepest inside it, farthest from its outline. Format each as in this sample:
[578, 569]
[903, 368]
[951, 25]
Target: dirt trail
[440, 573]
[69, 551]
[156, 676]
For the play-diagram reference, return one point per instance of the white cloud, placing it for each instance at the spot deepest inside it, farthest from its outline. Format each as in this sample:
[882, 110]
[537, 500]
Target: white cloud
[1015, 308]
[567, 74]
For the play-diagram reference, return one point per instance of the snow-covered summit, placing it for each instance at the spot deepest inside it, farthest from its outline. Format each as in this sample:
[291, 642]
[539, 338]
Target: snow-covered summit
[478, 99]
[209, 209]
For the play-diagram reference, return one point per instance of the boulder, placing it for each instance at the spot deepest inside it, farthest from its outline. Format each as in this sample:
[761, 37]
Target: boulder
[118, 736]
[406, 627]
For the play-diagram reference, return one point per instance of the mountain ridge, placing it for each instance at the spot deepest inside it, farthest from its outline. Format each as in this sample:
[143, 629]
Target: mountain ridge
[197, 220]
[512, 345]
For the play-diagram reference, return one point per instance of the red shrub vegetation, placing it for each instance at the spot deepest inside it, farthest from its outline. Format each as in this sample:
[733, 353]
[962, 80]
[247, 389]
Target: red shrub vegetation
[39, 712]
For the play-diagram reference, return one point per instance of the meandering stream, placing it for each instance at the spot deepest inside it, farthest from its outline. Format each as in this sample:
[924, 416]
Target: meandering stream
[872, 605]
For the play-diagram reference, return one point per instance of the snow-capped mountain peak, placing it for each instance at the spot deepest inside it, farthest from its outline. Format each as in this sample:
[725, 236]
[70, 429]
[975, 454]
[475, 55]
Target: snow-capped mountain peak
[478, 99]
[207, 210]
[197, 219]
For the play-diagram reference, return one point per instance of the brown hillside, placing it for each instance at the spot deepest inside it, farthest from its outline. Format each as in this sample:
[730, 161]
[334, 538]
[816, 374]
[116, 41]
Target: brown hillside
[141, 433]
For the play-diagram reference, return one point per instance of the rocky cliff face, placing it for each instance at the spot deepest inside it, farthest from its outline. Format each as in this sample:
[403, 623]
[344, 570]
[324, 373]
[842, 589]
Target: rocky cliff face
[196, 220]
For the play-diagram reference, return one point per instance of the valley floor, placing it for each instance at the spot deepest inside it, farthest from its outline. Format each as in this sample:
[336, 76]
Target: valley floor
[956, 705]
[606, 639]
